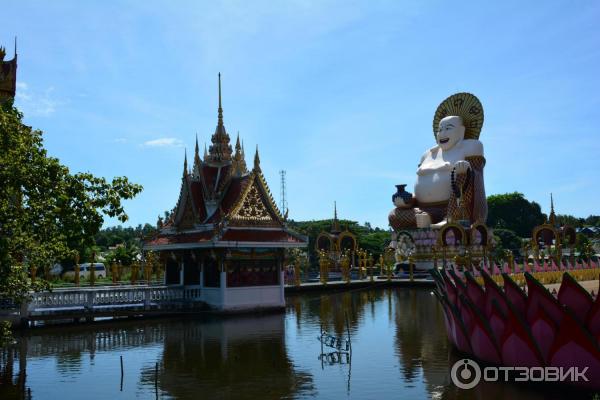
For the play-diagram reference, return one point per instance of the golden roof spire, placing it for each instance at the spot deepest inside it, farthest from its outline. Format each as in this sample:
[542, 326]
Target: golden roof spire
[220, 111]
[256, 160]
[552, 217]
[335, 226]
[220, 150]
[239, 162]
[238, 148]
[185, 167]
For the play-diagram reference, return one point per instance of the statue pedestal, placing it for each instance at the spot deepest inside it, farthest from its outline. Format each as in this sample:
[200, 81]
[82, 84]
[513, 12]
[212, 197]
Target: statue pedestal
[427, 250]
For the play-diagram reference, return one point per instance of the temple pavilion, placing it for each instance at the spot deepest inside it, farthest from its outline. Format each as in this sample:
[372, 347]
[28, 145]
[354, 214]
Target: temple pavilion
[226, 235]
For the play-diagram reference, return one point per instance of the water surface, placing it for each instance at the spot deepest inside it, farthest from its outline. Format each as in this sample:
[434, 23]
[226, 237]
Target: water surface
[399, 351]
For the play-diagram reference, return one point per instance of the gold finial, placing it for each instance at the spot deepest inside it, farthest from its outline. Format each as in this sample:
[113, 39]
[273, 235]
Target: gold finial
[335, 228]
[552, 217]
[185, 167]
[220, 150]
[238, 148]
[256, 160]
[220, 108]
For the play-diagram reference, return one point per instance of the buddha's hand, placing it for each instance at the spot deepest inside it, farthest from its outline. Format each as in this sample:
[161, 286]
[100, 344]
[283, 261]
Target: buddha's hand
[461, 167]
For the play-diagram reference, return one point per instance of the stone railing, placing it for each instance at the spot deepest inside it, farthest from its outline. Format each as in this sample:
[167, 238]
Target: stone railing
[105, 298]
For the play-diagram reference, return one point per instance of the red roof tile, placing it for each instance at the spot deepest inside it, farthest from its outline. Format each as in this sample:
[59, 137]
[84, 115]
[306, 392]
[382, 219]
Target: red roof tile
[196, 237]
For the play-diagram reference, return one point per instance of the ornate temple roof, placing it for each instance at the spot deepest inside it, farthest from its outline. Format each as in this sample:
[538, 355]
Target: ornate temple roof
[8, 75]
[222, 204]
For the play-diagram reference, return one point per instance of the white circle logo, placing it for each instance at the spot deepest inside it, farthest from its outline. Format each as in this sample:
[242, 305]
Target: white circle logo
[465, 374]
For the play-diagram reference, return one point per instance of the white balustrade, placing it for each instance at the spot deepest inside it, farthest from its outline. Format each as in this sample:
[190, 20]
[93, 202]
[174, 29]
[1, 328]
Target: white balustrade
[104, 297]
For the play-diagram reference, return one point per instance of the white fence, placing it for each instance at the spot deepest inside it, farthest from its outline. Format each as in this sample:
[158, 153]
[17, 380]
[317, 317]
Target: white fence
[107, 298]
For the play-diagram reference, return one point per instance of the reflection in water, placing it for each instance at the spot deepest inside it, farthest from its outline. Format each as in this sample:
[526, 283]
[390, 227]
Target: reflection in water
[399, 350]
[241, 357]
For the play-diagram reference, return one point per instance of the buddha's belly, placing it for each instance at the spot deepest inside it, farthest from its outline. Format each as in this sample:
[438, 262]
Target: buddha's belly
[433, 187]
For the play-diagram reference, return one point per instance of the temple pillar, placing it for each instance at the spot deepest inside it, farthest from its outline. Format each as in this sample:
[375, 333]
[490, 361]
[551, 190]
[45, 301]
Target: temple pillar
[281, 279]
[202, 273]
[223, 282]
[181, 271]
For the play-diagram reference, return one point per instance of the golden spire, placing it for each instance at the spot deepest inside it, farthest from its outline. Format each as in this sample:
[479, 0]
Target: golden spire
[238, 148]
[239, 163]
[185, 167]
[256, 160]
[335, 226]
[220, 111]
[197, 160]
[552, 217]
[220, 150]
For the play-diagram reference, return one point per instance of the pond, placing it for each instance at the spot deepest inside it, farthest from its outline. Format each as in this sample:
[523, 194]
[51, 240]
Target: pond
[398, 339]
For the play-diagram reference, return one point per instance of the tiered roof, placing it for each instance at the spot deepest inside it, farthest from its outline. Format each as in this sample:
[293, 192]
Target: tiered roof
[222, 204]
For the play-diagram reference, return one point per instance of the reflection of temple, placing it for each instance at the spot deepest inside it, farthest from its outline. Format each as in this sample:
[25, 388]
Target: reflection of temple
[226, 235]
[220, 358]
[240, 357]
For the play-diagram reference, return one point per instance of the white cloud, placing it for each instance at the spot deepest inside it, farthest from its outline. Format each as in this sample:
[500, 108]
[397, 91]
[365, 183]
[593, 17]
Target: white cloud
[164, 142]
[34, 103]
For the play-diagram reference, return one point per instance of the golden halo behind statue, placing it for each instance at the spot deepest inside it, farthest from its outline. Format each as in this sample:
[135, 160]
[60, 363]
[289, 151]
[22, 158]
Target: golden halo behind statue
[466, 106]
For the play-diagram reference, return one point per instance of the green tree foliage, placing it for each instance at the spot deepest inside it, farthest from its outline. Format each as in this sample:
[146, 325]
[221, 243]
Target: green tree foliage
[117, 235]
[506, 239]
[593, 220]
[126, 254]
[46, 212]
[564, 219]
[582, 244]
[514, 212]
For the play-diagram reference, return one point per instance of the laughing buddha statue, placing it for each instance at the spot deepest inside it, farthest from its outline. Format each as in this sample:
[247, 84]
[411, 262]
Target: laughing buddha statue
[449, 185]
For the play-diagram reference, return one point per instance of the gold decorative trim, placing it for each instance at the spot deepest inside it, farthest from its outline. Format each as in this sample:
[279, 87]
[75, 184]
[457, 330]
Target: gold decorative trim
[255, 204]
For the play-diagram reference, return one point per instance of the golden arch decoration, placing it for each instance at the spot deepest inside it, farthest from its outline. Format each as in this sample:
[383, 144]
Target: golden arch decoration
[459, 234]
[483, 231]
[347, 241]
[545, 233]
[324, 242]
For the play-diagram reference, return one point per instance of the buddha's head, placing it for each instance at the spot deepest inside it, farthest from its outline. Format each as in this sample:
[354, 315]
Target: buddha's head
[450, 131]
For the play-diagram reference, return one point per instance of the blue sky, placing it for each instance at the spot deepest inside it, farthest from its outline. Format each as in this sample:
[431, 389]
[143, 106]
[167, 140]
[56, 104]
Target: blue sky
[339, 94]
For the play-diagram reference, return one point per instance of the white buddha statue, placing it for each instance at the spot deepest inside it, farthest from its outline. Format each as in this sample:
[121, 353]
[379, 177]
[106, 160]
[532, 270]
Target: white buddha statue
[451, 169]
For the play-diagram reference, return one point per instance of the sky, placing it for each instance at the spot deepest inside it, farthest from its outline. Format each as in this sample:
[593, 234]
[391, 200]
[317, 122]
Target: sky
[339, 94]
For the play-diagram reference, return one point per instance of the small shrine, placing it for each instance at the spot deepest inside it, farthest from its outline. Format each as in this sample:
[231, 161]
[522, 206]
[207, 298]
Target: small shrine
[337, 250]
[226, 235]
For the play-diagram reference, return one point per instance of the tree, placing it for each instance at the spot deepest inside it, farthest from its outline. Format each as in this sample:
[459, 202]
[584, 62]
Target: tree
[565, 219]
[46, 212]
[506, 240]
[125, 254]
[514, 212]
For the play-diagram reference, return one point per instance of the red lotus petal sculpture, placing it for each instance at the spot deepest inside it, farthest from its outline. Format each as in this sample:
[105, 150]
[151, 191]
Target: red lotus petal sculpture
[506, 326]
